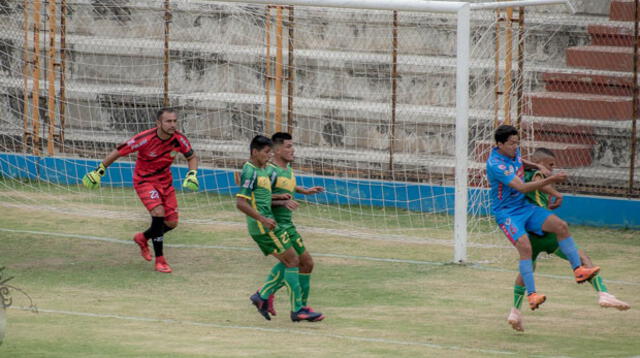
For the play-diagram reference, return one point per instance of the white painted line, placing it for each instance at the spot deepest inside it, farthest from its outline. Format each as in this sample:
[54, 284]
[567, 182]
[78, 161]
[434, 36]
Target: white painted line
[349, 257]
[302, 331]
[386, 237]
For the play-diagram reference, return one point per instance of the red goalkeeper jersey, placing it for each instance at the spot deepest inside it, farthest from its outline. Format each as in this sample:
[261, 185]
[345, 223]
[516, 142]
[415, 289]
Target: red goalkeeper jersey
[155, 155]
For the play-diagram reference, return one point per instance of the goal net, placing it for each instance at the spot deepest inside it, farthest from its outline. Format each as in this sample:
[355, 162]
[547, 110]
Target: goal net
[368, 95]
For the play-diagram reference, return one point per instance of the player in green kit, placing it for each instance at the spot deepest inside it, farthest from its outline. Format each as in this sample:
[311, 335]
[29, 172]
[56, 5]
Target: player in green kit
[284, 186]
[549, 243]
[254, 200]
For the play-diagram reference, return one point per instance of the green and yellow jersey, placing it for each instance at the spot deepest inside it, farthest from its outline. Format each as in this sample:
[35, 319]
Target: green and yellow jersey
[537, 196]
[255, 186]
[283, 181]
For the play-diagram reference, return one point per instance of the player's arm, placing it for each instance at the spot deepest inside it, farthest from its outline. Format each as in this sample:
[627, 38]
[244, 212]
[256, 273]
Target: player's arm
[555, 197]
[289, 204]
[92, 179]
[309, 191]
[191, 180]
[532, 165]
[243, 205]
[517, 184]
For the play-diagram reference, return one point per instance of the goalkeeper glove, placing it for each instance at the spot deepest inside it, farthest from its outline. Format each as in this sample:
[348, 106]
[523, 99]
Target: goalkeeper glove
[191, 181]
[92, 179]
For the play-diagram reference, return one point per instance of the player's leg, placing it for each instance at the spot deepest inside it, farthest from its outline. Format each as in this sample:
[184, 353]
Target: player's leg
[513, 227]
[151, 199]
[605, 299]
[273, 283]
[567, 246]
[306, 267]
[523, 245]
[157, 238]
[515, 315]
[271, 243]
[170, 208]
[291, 260]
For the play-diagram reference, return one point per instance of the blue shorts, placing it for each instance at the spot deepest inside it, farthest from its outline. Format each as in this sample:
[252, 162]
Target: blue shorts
[517, 222]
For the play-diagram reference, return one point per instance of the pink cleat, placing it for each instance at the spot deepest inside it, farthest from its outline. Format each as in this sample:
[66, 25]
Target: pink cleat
[515, 320]
[144, 247]
[162, 265]
[606, 299]
[271, 304]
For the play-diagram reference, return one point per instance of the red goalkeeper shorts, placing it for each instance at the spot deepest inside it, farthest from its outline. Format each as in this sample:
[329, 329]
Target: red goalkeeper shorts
[155, 194]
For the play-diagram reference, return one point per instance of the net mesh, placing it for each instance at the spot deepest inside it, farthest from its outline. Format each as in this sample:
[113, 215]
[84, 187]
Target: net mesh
[377, 133]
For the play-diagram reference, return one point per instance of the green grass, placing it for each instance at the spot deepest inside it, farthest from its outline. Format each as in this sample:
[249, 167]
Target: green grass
[100, 299]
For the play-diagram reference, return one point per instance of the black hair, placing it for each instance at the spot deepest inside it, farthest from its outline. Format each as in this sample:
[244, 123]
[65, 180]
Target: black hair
[503, 133]
[280, 137]
[544, 152]
[259, 142]
[163, 111]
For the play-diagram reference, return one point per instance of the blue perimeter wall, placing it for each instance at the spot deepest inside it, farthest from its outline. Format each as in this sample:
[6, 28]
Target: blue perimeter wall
[576, 209]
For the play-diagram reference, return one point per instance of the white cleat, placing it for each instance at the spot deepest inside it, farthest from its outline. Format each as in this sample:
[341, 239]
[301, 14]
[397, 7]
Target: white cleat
[606, 299]
[515, 320]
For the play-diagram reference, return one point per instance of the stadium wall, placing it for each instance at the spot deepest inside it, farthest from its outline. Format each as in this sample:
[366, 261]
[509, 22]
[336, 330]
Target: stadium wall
[576, 209]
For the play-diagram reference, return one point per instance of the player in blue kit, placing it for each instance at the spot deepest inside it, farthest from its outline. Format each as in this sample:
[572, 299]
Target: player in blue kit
[515, 215]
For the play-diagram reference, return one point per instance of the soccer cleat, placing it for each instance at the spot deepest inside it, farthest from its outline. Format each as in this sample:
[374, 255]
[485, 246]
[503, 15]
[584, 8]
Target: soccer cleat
[162, 265]
[304, 315]
[515, 319]
[261, 304]
[144, 247]
[535, 300]
[584, 273]
[271, 304]
[606, 299]
[308, 309]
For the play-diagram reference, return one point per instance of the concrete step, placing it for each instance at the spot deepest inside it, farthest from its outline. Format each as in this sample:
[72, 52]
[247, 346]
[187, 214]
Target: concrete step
[612, 58]
[568, 155]
[541, 131]
[613, 84]
[620, 34]
[577, 105]
[622, 10]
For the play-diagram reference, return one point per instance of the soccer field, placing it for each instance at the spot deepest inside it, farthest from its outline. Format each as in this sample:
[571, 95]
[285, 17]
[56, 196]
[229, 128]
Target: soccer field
[97, 297]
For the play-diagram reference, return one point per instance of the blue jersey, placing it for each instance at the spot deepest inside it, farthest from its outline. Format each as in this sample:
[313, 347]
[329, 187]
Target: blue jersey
[501, 170]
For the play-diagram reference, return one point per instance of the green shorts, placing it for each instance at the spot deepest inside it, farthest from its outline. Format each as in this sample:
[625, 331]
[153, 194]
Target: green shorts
[273, 242]
[547, 243]
[295, 237]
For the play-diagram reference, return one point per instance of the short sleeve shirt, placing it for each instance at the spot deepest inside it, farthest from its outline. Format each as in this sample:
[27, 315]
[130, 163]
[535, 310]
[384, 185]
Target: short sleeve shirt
[155, 155]
[255, 186]
[500, 171]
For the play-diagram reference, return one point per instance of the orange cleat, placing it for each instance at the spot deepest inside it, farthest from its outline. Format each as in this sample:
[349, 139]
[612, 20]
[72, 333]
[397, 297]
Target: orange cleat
[515, 319]
[162, 265]
[584, 273]
[535, 300]
[144, 247]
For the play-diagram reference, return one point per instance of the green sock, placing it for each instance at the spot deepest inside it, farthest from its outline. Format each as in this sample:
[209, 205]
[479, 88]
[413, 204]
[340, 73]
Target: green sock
[274, 281]
[292, 281]
[598, 284]
[305, 286]
[518, 295]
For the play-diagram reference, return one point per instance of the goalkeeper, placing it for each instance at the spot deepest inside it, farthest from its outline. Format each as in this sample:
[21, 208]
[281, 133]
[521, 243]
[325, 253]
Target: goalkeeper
[549, 243]
[152, 179]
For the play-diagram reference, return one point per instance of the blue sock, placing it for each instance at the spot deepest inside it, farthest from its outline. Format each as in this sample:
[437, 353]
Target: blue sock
[568, 248]
[526, 271]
